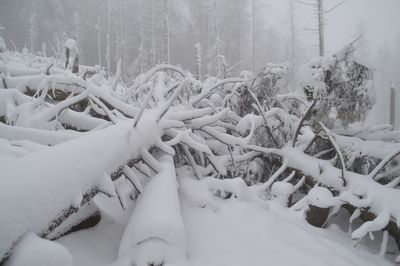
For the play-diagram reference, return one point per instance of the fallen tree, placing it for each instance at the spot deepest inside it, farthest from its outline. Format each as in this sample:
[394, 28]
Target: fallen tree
[65, 139]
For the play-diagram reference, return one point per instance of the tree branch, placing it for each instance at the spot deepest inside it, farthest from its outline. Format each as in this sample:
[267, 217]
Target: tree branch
[337, 150]
[296, 135]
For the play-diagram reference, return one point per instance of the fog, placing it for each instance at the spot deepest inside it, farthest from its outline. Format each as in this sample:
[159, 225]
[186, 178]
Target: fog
[199, 132]
[135, 32]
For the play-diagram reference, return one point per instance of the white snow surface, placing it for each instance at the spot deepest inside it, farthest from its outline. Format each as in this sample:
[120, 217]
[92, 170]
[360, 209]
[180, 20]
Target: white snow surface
[157, 215]
[244, 234]
[238, 233]
[34, 251]
[70, 44]
[321, 197]
[77, 166]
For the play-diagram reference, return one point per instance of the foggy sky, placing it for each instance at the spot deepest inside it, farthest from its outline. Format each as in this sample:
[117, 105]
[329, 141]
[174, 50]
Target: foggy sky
[381, 18]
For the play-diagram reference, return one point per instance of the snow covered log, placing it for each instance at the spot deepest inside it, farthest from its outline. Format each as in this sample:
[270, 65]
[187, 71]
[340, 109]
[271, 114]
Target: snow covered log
[319, 201]
[35, 251]
[155, 233]
[57, 178]
[361, 191]
[163, 113]
[88, 216]
[40, 136]
[366, 216]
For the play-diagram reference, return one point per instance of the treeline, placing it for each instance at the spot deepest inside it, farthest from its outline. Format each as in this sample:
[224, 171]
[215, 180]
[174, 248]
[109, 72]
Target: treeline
[238, 34]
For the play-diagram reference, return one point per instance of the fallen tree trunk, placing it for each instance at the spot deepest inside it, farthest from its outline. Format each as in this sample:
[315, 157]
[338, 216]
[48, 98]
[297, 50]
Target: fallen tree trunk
[86, 217]
[59, 176]
[156, 222]
[361, 191]
[367, 216]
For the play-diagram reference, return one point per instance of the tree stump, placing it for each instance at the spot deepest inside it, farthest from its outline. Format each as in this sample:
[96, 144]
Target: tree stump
[317, 216]
[319, 200]
[71, 56]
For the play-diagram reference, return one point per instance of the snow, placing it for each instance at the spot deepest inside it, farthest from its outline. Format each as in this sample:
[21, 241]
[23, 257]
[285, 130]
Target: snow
[130, 174]
[354, 215]
[197, 194]
[77, 166]
[242, 233]
[282, 191]
[37, 135]
[249, 123]
[216, 99]
[70, 44]
[2, 44]
[238, 233]
[99, 245]
[374, 148]
[161, 229]
[208, 88]
[321, 197]
[34, 251]
[85, 212]
[201, 216]
[281, 188]
[198, 123]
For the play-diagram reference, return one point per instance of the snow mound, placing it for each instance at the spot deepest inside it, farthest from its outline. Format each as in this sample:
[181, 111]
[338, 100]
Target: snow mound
[197, 193]
[35, 251]
[157, 216]
[321, 197]
[281, 189]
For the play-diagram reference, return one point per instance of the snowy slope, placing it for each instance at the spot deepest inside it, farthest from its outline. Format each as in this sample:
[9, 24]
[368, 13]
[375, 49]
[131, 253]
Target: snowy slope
[239, 233]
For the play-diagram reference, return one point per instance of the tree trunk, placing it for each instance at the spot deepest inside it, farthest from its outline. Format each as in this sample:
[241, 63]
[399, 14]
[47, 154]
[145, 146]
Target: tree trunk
[393, 106]
[292, 31]
[253, 15]
[166, 32]
[317, 216]
[197, 61]
[321, 28]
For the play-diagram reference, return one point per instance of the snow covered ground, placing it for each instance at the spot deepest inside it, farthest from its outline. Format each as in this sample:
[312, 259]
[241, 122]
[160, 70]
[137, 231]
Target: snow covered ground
[175, 153]
[239, 233]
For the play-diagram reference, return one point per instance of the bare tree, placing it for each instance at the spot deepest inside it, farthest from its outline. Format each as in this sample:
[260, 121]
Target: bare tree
[292, 34]
[108, 51]
[166, 32]
[321, 12]
[253, 20]
[393, 94]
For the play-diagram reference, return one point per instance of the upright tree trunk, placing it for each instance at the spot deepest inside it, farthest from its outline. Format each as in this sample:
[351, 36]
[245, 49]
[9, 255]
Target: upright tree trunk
[197, 62]
[98, 40]
[117, 54]
[253, 14]
[292, 31]
[122, 34]
[393, 106]
[321, 27]
[76, 28]
[141, 50]
[239, 41]
[166, 31]
[108, 51]
[44, 49]
[32, 30]
[153, 38]
[216, 27]
[221, 70]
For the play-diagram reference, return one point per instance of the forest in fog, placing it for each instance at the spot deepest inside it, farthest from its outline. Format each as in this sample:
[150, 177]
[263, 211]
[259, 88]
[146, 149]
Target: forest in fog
[199, 132]
[244, 34]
